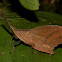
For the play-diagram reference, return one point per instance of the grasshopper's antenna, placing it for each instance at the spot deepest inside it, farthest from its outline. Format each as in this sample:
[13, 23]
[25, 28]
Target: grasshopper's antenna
[6, 20]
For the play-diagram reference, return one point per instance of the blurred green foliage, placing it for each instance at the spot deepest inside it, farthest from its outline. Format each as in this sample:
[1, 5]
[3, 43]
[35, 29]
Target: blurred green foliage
[30, 4]
[45, 5]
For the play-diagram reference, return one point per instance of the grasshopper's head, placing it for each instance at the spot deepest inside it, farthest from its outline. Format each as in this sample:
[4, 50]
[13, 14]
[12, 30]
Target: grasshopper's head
[12, 27]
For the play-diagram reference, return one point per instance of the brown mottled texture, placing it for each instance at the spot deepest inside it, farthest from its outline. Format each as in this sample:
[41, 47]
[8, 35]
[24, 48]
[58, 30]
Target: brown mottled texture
[42, 38]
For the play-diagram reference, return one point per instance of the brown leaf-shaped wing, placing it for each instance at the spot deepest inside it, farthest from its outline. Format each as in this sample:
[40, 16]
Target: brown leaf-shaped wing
[52, 35]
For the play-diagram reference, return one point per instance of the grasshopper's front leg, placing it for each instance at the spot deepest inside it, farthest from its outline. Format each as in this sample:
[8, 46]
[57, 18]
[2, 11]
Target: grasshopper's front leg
[15, 44]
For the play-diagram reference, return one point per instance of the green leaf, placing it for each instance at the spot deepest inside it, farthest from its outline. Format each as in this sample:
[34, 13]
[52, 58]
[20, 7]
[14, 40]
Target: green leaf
[30, 4]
